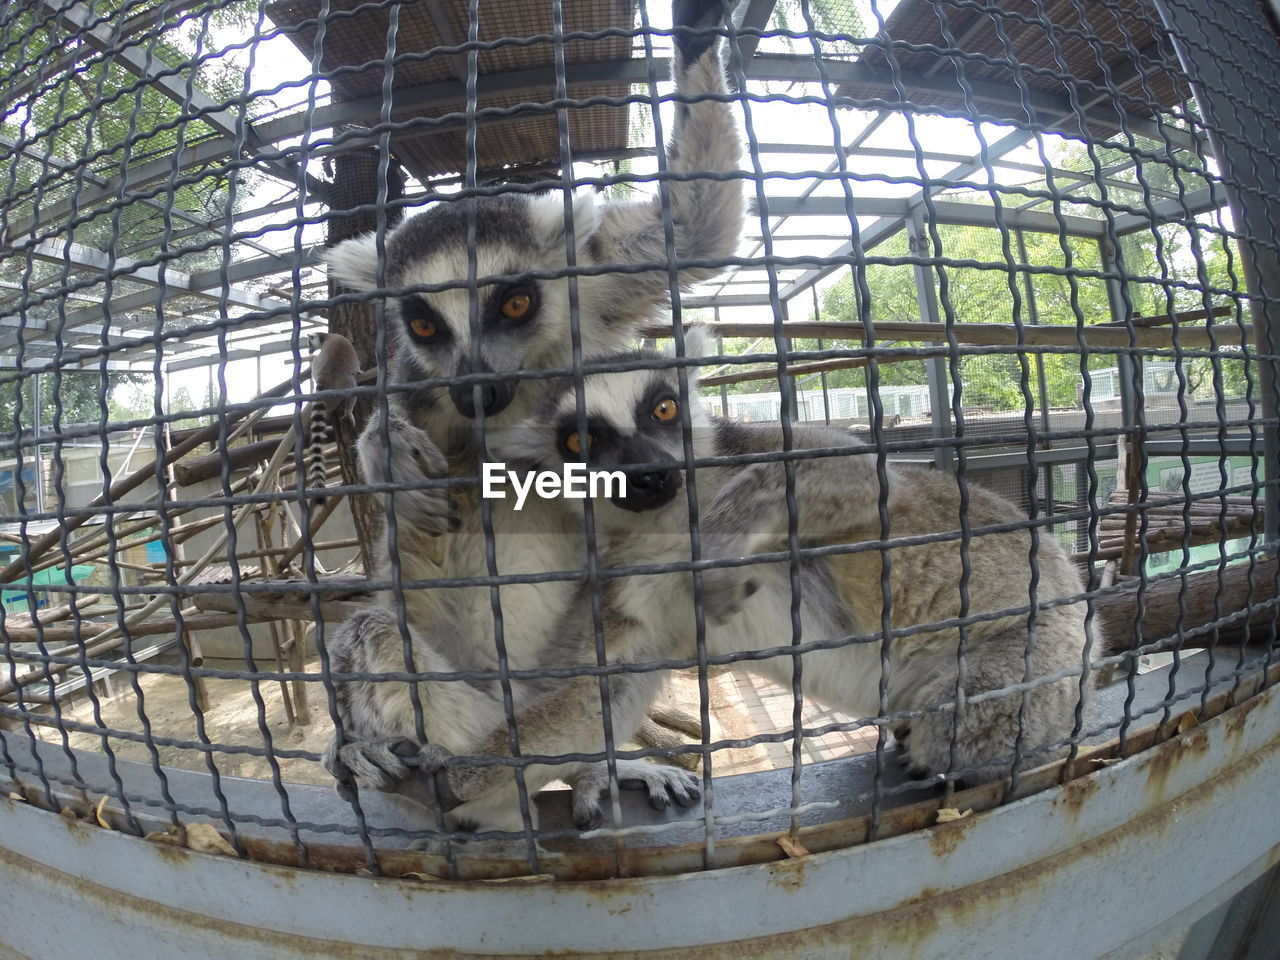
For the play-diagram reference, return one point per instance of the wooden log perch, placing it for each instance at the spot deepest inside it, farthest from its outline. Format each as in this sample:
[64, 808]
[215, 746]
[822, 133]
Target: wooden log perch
[1160, 618]
[210, 465]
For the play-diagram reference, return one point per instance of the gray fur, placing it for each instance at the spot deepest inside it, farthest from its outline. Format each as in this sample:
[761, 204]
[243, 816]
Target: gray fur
[749, 607]
[427, 437]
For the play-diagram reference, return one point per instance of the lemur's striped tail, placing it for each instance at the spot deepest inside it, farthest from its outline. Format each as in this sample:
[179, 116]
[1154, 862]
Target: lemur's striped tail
[315, 452]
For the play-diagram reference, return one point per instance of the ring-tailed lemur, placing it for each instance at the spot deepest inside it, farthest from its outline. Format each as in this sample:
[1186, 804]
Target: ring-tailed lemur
[522, 324]
[334, 366]
[633, 419]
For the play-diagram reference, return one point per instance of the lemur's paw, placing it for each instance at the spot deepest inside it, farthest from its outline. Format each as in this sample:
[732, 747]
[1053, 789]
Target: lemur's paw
[663, 784]
[408, 457]
[914, 764]
[426, 757]
[698, 15]
[377, 764]
[725, 591]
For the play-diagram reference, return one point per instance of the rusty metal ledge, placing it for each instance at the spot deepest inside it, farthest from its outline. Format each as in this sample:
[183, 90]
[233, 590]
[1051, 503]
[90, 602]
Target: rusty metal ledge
[1075, 871]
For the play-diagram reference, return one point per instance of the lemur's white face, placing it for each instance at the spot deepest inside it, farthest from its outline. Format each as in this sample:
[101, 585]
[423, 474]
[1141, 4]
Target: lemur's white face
[504, 325]
[635, 423]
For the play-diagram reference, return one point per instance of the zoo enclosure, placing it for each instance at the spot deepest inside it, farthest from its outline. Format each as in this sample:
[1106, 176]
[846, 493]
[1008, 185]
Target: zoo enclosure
[86, 185]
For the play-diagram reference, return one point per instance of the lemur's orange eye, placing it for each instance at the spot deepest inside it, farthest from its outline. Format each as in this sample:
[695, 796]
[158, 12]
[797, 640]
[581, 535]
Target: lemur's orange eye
[424, 328]
[666, 410]
[576, 442]
[517, 306]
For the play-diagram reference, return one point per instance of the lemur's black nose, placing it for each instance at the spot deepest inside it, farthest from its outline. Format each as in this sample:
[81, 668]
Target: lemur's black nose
[645, 491]
[494, 397]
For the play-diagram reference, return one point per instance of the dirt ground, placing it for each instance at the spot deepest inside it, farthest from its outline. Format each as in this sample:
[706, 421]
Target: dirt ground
[741, 706]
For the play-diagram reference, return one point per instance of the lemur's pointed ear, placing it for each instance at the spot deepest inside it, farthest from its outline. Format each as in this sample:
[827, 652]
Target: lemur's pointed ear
[547, 218]
[354, 263]
[699, 341]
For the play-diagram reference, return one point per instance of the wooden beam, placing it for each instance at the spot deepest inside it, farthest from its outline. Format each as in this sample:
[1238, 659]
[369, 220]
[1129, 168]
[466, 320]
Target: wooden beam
[210, 465]
[1117, 611]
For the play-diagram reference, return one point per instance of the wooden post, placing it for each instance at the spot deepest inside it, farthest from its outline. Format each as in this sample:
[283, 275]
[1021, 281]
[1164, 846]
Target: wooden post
[195, 656]
[264, 520]
[293, 647]
[1132, 472]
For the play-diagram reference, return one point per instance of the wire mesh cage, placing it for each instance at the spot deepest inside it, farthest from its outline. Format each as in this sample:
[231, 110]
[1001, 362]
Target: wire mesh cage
[932, 343]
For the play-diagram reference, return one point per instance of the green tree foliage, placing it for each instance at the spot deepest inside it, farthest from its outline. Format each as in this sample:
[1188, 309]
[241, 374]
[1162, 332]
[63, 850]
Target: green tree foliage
[78, 393]
[972, 280]
[78, 129]
[81, 126]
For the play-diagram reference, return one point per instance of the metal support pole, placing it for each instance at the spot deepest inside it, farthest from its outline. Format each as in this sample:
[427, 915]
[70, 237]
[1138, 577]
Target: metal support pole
[1236, 95]
[826, 396]
[1042, 386]
[787, 384]
[927, 295]
[1128, 367]
[36, 461]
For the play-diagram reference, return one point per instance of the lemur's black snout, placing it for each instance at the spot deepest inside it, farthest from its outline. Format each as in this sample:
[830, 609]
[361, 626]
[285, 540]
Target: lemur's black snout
[645, 491]
[494, 397]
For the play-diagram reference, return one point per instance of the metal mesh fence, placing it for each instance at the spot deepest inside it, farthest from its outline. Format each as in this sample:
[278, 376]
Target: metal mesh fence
[987, 415]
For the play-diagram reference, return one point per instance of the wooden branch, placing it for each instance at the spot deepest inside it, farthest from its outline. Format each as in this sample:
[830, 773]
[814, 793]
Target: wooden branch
[122, 486]
[317, 521]
[98, 540]
[793, 370]
[281, 551]
[50, 614]
[292, 607]
[210, 466]
[1182, 316]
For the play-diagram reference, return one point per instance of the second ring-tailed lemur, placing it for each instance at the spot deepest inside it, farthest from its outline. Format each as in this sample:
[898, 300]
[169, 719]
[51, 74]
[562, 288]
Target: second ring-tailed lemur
[520, 322]
[334, 366]
[633, 419]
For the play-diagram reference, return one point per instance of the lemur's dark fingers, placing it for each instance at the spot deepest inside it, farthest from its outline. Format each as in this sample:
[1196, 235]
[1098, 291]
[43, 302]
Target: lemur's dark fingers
[664, 784]
[369, 763]
[426, 757]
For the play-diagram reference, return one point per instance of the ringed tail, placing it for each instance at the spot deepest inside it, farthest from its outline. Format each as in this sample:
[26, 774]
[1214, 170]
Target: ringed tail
[315, 452]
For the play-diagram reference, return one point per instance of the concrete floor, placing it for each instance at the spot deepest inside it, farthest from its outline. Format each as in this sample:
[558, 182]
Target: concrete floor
[741, 705]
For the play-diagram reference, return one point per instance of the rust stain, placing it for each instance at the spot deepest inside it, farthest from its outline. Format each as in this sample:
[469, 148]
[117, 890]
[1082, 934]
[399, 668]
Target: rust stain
[917, 924]
[788, 874]
[1239, 716]
[1074, 794]
[945, 837]
[252, 939]
[172, 853]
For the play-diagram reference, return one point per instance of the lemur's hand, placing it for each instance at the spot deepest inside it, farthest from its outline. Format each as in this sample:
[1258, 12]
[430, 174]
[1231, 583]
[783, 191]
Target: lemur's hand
[663, 784]
[413, 458]
[378, 764]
